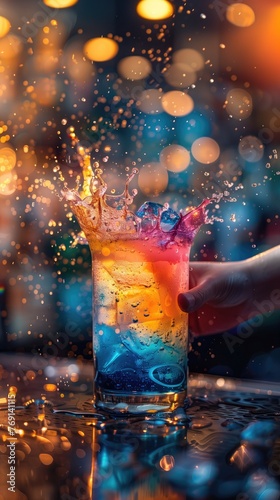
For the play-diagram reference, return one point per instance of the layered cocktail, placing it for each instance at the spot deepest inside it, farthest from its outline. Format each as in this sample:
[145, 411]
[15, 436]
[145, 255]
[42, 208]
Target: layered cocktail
[140, 263]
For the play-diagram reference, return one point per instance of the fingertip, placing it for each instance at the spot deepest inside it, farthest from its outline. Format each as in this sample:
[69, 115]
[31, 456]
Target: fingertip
[185, 302]
[181, 301]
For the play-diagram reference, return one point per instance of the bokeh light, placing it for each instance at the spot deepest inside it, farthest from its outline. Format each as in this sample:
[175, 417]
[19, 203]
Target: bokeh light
[101, 49]
[60, 4]
[8, 183]
[134, 67]
[11, 46]
[5, 26]
[45, 92]
[7, 159]
[175, 158]
[239, 104]
[45, 458]
[154, 9]
[152, 179]
[254, 51]
[177, 103]
[26, 160]
[251, 148]
[191, 58]
[180, 75]
[150, 101]
[80, 70]
[77, 66]
[240, 14]
[205, 150]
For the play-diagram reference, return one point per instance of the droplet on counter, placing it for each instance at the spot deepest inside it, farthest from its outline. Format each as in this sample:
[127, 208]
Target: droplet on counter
[200, 423]
[167, 462]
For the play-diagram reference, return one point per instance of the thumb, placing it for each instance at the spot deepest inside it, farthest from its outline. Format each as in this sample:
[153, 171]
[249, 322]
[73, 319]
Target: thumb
[195, 298]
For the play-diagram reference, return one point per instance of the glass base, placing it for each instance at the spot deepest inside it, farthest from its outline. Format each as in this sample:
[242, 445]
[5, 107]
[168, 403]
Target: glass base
[140, 404]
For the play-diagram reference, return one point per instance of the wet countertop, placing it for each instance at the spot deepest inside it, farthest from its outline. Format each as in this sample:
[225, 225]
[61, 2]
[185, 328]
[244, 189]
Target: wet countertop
[54, 445]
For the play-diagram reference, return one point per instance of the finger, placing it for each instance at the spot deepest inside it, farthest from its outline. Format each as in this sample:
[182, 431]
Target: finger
[196, 297]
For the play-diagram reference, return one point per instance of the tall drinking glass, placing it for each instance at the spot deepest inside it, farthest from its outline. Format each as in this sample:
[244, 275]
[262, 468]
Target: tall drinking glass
[140, 263]
[140, 335]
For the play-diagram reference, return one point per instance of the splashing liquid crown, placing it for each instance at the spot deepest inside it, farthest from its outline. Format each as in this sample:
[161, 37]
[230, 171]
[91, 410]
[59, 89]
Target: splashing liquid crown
[107, 216]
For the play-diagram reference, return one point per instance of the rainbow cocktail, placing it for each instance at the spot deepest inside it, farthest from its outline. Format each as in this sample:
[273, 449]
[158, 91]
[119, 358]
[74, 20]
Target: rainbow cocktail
[140, 263]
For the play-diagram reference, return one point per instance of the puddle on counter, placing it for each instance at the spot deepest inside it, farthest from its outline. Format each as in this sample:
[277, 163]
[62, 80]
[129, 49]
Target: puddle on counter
[229, 445]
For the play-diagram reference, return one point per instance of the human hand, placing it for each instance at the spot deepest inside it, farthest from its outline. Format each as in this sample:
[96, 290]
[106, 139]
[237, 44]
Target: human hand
[220, 294]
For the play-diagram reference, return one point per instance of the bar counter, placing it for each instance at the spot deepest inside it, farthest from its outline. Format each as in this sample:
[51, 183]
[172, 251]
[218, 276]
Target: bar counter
[55, 445]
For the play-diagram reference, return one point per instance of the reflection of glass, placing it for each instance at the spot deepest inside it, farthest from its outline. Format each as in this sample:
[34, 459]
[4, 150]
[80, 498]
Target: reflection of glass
[135, 462]
[140, 264]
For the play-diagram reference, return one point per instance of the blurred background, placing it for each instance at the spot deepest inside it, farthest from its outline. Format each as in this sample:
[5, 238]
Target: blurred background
[187, 92]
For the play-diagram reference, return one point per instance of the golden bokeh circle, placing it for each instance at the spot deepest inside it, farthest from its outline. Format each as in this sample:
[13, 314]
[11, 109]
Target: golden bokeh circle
[60, 4]
[240, 14]
[239, 104]
[5, 26]
[190, 57]
[251, 148]
[134, 67]
[155, 9]
[177, 103]
[205, 150]
[150, 101]
[100, 49]
[175, 158]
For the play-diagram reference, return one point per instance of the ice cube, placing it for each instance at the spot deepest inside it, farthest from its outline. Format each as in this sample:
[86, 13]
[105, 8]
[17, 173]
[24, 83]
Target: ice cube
[111, 357]
[154, 341]
[137, 304]
[169, 219]
[105, 287]
[128, 273]
[149, 213]
[149, 209]
[106, 315]
[110, 351]
[169, 331]
[154, 215]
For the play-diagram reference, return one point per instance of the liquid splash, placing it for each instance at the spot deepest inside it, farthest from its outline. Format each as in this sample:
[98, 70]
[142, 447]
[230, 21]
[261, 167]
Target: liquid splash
[108, 216]
[104, 216]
